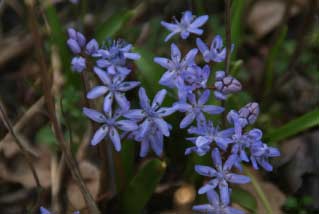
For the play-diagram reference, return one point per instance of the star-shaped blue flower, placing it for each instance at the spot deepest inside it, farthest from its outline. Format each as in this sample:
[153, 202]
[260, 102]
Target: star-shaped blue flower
[195, 108]
[188, 24]
[221, 175]
[113, 87]
[110, 125]
[176, 66]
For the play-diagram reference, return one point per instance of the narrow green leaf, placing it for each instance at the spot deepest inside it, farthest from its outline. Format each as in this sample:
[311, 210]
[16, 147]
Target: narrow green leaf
[244, 199]
[271, 58]
[237, 11]
[306, 121]
[261, 194]
[142, 186]
[113, 24]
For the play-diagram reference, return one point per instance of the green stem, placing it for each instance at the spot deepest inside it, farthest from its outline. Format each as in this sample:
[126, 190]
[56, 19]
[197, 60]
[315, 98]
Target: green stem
[261, 194]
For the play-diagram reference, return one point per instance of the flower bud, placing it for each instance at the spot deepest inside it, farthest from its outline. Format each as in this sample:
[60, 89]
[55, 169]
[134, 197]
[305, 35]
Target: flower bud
[92, 47]
[250, 112]
[74, 46]
[78, 64]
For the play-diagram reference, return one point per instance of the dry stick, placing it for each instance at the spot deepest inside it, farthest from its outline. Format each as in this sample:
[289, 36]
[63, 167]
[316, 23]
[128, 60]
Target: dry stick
[52, 114]
[25, 154]
[304, 28]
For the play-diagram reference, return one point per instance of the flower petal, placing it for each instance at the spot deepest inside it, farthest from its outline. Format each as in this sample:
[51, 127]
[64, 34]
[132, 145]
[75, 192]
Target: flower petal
[94, 115]
[99, 135]
[158, 99]
[237, 179]
[96, 92]
[135, 114]
[187, 120]
[126, 86]
[211, 109]
[115, 138]
[108, 100]
[162, 126]
[126, 125]
[199, 21]
[102, 76]
[144, 101]
[205, 170]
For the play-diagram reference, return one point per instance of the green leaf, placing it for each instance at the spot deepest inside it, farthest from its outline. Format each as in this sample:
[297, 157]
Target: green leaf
[306, 121]
[237, 11]
[142, 186]
[113, 24]
[244, 199]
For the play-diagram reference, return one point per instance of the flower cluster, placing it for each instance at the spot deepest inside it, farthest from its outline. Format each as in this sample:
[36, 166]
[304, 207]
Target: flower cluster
[117, 120]
[236, 143]
[241, 143]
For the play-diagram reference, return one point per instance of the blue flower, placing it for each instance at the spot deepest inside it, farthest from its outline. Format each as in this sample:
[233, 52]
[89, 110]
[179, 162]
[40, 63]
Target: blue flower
[74, 1]
[188, 24]
[216, 52]
[176, 66]
[221, 175]
[197, 77]
[209, 134]
[113, 87]
[196, 108]
[216, 206]
[225, 85]
[78, 64]
[114, 57]
[260, 153]
[110, 126]
[151, 115]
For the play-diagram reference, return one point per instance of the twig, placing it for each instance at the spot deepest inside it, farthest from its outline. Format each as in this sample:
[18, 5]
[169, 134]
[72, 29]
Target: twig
[228, 35]
[46, 82]
[25, 154]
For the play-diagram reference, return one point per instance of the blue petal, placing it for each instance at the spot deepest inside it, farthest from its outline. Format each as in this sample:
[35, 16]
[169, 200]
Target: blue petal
[213, 198]
[144, 101]
[199, 21]
[99, 135]
[102, 76]
[158, 99]
[164, 62]
[157, 144]
[74, 46]
[126, 86]
[132, 56]
[44, 211]
[115, 138]
[205, 170]
[230, 162]
[165, 111]
[162, 126]
[217, 159]
[224, 192]
[169, 26]
[204, 97]
[175, 53]
[127, 125]
[237, 179]
[122, 101]
[94, 115]
[207, 187]
[108, 100]
[211, 109]
[205, 208]
[188, 119]
[203, 49]
[135, 114]
[96, 92]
